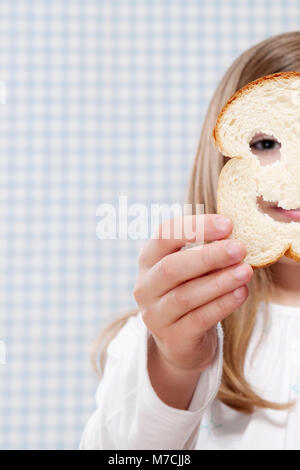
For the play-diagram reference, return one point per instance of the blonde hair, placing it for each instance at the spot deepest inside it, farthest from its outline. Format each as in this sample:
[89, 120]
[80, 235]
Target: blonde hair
[275, 54]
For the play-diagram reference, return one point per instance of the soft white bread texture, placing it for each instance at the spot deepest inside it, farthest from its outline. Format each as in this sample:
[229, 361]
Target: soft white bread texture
[269, 105]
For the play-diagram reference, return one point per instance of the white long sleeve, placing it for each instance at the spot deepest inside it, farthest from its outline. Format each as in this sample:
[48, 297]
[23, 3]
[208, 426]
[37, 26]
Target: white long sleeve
[129, 414]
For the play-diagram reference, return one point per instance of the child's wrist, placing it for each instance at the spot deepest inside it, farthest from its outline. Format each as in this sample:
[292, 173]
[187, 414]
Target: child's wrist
[174, 386]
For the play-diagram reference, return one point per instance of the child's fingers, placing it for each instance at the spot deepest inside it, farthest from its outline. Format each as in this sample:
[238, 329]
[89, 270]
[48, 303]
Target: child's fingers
[197, 322]
[182, 266]
[197, 292]
[157, 248]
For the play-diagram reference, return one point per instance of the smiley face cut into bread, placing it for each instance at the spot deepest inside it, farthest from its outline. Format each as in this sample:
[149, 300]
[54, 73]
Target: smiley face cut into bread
[268, 106]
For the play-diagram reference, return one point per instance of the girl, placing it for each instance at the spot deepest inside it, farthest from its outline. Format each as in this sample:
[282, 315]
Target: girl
[211, 358]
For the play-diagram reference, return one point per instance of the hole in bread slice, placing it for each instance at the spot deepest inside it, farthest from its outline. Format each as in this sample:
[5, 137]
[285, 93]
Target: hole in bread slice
[273, 210]
[266, 148]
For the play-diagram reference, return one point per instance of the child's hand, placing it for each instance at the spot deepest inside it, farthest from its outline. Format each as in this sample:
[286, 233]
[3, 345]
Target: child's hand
[182, 295]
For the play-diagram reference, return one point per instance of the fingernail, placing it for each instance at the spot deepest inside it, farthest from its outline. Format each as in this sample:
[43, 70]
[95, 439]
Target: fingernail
[222, 223]
[238, 293]
[234, 249]
[241, 273]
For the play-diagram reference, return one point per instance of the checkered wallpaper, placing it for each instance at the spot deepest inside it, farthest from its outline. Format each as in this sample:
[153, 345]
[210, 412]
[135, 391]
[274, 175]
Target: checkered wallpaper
[103, 98]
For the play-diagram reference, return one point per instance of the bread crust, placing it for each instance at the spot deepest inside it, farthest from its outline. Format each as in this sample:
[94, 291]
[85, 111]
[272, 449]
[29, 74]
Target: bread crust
[245, 90]
[285, 251]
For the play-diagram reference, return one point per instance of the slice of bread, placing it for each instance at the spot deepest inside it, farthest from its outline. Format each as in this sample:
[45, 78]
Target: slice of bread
[268, 105]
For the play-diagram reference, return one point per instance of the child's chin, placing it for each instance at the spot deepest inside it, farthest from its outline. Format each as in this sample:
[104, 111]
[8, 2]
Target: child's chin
[288, 261]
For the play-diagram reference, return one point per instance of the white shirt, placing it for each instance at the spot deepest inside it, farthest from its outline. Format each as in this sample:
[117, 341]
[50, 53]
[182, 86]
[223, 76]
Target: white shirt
[130, 415]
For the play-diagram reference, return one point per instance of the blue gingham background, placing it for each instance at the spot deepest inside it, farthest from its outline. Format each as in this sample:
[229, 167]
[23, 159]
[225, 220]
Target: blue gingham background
[104, 98]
